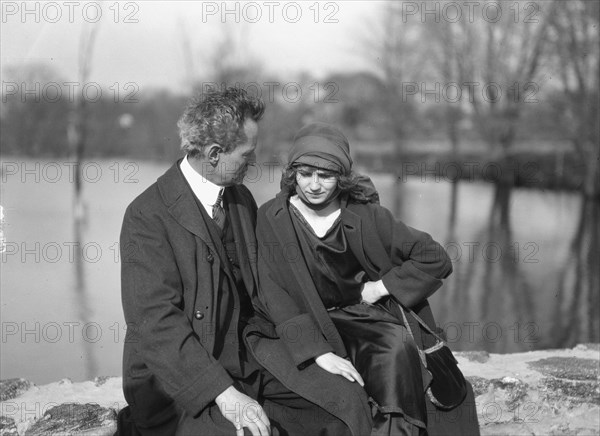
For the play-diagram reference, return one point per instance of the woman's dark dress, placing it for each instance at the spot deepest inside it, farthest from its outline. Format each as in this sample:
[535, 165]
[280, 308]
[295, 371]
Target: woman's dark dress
[377, 342]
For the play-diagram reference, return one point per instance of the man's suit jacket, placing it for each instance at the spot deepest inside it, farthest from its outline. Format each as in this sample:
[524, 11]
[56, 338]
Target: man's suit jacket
[171, 270]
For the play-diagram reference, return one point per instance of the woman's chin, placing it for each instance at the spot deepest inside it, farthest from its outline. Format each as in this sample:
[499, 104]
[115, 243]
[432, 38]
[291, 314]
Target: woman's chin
[316, 201]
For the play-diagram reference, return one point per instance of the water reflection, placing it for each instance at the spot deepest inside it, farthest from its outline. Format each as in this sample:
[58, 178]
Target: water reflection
[508, 292]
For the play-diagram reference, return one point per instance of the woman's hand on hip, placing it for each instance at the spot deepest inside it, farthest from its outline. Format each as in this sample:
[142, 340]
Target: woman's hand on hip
[340, 366]
[373, 291]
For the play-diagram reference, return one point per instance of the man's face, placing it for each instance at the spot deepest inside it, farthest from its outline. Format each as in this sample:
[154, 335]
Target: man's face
[233, 165]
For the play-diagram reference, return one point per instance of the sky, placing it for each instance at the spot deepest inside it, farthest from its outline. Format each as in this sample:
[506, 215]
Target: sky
[143, 42]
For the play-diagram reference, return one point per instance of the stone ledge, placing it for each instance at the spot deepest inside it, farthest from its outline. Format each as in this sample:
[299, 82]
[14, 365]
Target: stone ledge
[546, 392]
[64, 408]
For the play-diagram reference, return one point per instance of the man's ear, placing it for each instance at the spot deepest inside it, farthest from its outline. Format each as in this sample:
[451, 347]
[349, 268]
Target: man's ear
[213, 154]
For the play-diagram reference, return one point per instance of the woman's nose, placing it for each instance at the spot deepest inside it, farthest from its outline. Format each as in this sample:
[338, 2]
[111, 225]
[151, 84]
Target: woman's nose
[314, 182]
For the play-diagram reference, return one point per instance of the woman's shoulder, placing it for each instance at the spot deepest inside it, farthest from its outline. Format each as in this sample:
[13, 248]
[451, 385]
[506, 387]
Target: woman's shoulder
[274, 203]
[370, 210]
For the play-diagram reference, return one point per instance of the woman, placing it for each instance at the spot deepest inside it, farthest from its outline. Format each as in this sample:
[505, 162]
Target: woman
[330, 258]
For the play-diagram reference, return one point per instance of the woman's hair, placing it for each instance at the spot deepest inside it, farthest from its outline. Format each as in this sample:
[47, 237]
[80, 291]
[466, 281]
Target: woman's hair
[349, 184]
[218, 117]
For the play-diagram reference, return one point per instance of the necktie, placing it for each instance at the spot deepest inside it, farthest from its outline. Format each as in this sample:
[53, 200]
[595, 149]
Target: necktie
[218, 213]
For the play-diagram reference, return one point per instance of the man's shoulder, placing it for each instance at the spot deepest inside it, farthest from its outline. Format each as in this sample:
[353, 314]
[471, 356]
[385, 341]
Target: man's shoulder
[148, 201]
[151, 199]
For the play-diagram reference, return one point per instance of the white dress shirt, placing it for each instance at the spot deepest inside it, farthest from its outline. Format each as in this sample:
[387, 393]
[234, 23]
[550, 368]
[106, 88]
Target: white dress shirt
[206, 192]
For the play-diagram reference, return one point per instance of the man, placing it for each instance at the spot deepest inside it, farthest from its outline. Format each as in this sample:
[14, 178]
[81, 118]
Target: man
[188, 274]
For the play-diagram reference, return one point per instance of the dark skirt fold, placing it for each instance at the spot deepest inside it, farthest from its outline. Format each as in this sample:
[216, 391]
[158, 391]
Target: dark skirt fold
[387, 358]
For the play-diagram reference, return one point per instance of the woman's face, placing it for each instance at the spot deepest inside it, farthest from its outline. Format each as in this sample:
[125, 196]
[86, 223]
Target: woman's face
[316, 184]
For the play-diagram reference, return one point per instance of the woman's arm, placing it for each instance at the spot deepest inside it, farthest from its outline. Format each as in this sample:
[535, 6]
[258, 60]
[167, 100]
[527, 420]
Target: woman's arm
[279, 300]
[420, 263]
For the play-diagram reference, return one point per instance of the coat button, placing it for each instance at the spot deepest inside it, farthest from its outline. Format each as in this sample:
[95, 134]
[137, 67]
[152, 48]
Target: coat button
[210, 258]
[198, 315]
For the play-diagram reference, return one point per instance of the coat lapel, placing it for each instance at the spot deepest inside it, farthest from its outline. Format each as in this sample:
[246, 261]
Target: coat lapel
[281, 222]
[179, 199]
[183, 207]
[353, 231]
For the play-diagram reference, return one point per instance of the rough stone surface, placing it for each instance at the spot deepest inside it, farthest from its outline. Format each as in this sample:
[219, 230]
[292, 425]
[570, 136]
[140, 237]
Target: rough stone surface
[515, 390]
[13, 387]
[546, 392]
[99, 381]
[30, 407]
[574, 391]
[8, 427]
[543, 392]
[569, 379]
[75, 419]
[592, 347]
[480, 385]
[571, 368]
[475, 356]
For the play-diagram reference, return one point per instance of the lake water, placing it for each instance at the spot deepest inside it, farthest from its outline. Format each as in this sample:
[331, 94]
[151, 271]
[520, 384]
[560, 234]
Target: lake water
[44, 338]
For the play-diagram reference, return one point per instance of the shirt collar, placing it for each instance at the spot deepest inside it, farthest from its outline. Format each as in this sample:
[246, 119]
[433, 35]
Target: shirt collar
[205, 191]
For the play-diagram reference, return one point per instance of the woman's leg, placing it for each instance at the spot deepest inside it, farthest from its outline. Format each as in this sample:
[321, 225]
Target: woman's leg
[388, 360]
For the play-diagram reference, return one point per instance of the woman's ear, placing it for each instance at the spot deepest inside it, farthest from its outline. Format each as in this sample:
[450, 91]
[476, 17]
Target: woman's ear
[213, 154]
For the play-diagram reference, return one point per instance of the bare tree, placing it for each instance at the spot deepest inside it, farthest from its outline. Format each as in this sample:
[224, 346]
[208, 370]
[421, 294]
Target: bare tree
[446, 55]
[576, 43]
[189, 67]
[391, 48]
[503, 60]
[77, 134]
[32, 125]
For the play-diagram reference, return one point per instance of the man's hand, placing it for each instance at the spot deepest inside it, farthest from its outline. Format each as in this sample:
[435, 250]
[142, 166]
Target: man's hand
[337, 365]
[373, 291]
[242, 411]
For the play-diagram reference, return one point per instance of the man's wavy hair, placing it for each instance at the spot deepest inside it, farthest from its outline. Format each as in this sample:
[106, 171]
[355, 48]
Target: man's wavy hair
[348, 184]
[217, 117]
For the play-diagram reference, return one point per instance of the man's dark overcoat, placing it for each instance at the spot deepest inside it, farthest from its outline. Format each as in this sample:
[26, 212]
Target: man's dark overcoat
[171, 271]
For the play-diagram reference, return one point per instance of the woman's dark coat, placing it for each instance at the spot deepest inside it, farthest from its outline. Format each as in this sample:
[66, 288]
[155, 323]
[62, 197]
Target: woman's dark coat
[296, 324]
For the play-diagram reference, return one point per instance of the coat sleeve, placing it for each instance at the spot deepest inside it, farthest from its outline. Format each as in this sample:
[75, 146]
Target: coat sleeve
[294, 325]
[152, 294]
[420, 263]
